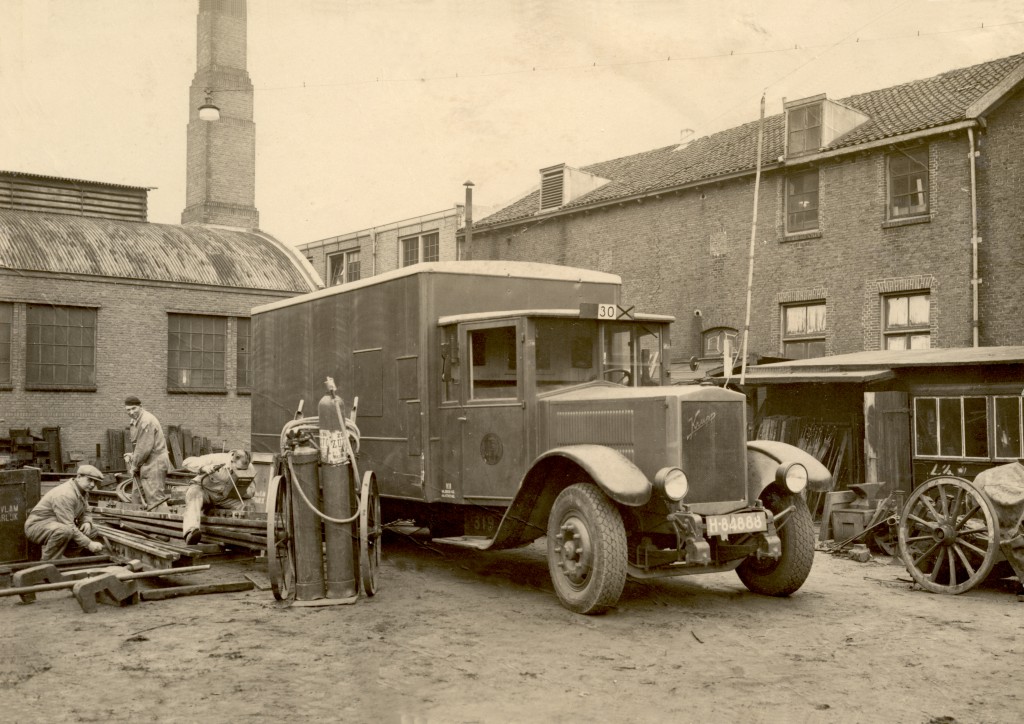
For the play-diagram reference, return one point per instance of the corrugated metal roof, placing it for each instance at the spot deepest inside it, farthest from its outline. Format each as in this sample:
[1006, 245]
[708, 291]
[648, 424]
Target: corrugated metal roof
[911, 107]
[190, 254]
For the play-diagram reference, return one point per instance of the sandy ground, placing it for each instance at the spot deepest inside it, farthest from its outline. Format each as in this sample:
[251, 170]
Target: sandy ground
[480, 637]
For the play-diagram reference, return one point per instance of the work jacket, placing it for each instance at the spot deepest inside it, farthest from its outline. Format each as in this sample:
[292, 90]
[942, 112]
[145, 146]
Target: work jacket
[65, 504]
[147, 438]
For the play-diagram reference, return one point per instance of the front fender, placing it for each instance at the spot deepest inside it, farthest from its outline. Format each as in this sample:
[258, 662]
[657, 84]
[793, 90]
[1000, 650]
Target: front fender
[526, 518]
[765, 456]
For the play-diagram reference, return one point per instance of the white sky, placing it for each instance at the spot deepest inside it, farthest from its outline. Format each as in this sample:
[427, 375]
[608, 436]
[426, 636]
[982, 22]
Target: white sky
[361, 120]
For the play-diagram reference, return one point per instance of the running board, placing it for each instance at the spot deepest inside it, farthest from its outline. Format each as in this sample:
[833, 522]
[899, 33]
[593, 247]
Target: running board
[477, 542]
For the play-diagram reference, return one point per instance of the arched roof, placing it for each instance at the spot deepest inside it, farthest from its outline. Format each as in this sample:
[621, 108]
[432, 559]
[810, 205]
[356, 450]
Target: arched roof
[190, 254]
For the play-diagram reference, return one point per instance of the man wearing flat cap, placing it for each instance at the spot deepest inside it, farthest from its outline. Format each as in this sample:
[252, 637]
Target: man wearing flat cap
[60, 522]
[148, 462]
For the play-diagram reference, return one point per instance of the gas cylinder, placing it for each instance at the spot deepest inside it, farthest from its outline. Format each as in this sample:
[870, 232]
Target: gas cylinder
[307, 528]
[336, 480]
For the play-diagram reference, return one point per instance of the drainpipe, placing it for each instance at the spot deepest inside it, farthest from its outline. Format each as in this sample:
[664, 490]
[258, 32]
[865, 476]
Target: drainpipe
[373, 241]
[468, 234]
[975, 280]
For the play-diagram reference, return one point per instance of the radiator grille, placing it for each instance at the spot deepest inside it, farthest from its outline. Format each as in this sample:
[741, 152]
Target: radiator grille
[714, 450]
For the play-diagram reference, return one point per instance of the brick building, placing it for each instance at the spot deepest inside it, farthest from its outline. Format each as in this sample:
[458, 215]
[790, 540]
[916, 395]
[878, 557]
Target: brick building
[95, 306]
[367, 252]
[879, 216]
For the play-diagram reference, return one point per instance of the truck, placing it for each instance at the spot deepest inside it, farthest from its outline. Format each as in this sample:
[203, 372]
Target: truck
[504, 402]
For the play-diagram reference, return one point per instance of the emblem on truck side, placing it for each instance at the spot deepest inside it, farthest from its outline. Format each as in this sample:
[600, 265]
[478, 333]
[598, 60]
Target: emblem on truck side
[491, 449]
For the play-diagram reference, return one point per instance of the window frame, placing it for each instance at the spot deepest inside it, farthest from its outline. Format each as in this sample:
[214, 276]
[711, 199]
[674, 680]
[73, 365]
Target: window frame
[804, 338]
[32, 381]
[907, 331]
[346, 258]
[425, 241]
[804, 130]
[6, 345]
[219, 326]
[719, 334]
[991, 427]
[892, 213]
[790, 178]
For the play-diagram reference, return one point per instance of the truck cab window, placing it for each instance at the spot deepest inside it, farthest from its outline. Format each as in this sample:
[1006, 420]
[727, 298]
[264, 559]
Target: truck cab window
[493, 373]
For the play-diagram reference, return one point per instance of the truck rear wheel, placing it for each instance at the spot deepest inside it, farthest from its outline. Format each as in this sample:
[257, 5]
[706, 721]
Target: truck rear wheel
[783, 576]
[586, 549]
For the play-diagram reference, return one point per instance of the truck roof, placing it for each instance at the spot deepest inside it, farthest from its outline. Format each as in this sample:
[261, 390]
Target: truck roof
[519, 269]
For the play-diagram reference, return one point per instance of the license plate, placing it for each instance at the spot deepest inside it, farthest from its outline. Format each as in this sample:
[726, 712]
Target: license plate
[735, 523]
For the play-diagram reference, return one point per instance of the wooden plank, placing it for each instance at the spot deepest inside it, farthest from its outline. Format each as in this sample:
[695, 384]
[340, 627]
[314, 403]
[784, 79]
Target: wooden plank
[833, 500]
[174, 441]
[161, 594]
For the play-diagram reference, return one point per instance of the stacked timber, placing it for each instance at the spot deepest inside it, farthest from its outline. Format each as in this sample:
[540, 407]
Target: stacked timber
[224, 528]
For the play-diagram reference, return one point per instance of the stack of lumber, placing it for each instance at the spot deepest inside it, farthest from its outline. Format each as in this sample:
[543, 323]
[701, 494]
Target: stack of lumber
[249, 531]
[181, 444]
[21, 448]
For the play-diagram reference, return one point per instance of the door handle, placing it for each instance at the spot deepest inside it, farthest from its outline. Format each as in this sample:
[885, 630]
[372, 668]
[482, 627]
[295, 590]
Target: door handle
[462, 419]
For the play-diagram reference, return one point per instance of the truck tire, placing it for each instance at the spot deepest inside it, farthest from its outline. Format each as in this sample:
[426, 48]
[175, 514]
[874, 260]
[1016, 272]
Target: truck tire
[586, 542]
[783, 576]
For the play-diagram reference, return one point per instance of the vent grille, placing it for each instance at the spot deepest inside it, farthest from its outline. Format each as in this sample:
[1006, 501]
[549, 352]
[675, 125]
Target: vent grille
[611, 428]
[78, 198]
[552, 189]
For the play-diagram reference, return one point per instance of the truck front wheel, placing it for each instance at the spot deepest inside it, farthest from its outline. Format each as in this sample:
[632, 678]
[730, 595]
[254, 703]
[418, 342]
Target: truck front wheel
[783, 576]
[586, 549]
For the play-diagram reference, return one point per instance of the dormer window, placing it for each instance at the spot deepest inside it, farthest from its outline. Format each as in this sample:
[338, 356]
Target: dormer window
[561, 184]
[804, 129]
[815, 123]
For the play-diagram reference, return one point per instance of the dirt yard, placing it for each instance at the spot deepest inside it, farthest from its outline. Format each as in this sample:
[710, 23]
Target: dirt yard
[478, 637]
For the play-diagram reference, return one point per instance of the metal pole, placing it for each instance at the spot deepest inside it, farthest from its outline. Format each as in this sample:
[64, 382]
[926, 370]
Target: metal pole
[753, 242]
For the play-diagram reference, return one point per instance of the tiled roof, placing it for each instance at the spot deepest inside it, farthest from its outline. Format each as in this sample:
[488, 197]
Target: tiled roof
[192, 254]
[907, 108]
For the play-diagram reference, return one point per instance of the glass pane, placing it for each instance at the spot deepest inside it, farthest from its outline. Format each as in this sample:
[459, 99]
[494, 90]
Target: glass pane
[494, 349]
[920, 341]
[919, 308]
[926, 425]
[1008, 427]
[796, 320]
[950, 427]
[816, 318]
[976, 427]
[897, 312]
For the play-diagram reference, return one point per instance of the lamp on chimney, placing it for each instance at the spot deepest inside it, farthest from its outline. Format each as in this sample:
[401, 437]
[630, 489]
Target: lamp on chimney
[208, 111]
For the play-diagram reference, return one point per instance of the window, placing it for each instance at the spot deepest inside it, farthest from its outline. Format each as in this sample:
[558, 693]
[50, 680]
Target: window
[195, 353]
[425, 247]
[906, 322]
[343, 267]
[802, 202]
[6, 325]
[243, 377]
[61, 347]
[1008, 427]
[957, 427]
[803, 330]
[493, 371]
[804, 129]
[908, 183]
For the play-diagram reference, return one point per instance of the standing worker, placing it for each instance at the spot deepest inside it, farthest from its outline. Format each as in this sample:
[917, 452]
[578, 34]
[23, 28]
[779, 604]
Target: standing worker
[226, 485]
[61, 518]
[148, 462]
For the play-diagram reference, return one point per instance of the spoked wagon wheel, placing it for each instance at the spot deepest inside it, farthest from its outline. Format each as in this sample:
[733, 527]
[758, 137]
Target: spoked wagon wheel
[370, 532]
[949, 535]
[280, 560]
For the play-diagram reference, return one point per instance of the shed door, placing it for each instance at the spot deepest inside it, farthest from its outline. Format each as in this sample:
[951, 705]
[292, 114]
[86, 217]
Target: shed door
[887, 439]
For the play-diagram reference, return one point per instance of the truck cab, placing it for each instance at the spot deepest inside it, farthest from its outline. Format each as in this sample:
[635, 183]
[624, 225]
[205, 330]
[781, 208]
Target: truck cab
[528, 401]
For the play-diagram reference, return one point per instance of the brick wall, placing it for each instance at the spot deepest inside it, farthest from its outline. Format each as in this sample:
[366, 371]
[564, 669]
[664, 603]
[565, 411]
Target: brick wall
[689, 251]
[131, 358]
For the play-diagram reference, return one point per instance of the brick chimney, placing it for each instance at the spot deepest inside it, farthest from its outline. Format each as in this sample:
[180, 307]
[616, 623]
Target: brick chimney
[220, 184]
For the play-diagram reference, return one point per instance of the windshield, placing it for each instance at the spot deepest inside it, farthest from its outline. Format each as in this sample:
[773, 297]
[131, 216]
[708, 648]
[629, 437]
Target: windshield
[571, 351]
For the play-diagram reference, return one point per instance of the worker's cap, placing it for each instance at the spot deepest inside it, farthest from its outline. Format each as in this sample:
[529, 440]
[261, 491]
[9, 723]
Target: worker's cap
[132, 400]
[90, 472]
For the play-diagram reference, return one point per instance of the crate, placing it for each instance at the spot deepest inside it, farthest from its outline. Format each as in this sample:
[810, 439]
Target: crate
[848, 522]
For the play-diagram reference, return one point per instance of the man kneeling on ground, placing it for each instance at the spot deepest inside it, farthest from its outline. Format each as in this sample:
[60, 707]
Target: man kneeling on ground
[226, 485]
[60, 522]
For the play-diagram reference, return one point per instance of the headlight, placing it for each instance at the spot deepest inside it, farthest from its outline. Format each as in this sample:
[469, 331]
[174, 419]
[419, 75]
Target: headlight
[793, 476]
[672, 483]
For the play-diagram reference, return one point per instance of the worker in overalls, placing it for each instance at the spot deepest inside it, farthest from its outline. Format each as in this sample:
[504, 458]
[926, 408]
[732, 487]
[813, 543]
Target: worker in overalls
[148, 462]
[60, 522]
[224, 485]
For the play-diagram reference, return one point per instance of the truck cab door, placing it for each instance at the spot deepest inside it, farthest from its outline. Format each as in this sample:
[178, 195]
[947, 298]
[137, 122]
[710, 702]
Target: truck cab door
[491, 420]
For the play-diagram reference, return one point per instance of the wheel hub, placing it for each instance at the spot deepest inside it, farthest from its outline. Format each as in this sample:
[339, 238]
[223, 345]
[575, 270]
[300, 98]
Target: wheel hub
[574, 552]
